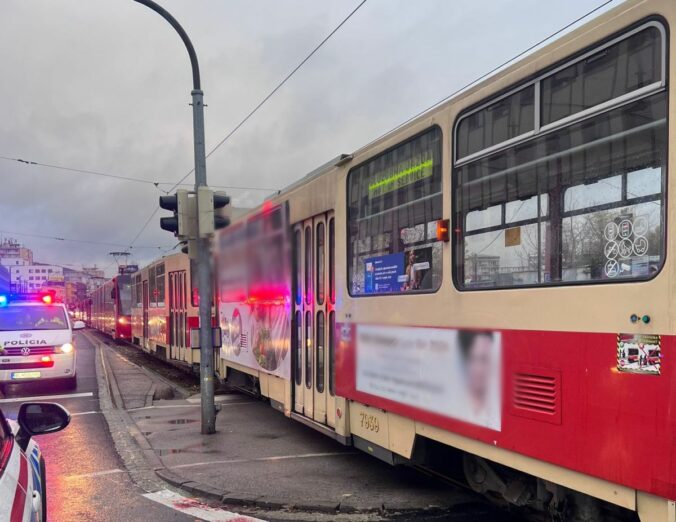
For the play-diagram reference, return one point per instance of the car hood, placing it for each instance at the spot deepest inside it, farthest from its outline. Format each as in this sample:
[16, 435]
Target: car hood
[34, 338]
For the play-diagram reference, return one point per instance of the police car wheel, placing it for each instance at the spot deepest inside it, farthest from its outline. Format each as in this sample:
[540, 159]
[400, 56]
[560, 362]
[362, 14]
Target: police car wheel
[43, 481]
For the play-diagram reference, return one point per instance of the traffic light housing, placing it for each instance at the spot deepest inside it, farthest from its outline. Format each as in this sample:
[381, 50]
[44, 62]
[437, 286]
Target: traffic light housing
[182, 223]
[208, 202]
[221, 200]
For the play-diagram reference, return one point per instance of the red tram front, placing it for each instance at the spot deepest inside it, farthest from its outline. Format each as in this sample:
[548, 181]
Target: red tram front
[111, 308]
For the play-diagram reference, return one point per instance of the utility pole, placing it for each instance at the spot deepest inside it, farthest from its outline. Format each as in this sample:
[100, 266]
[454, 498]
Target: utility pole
[204, 279]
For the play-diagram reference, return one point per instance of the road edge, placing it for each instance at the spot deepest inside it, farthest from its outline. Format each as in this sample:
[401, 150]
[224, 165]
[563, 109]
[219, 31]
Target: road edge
[127, 439]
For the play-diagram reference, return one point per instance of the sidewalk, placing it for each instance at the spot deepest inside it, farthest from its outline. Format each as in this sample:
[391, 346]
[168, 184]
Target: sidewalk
[260, 458]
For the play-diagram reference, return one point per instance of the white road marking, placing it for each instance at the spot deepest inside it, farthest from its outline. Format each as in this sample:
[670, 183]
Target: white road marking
[96, 473]
[263, 459]
[195, 508]
[84, 413]
[48, 397]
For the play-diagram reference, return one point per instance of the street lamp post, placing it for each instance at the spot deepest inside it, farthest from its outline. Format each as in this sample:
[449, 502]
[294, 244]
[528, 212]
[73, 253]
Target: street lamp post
[204, 282]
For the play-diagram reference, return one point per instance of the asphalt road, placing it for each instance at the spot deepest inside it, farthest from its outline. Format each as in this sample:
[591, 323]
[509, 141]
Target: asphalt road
[85, 476]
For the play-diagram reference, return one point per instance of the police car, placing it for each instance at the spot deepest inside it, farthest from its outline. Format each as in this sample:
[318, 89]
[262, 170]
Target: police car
[36, 340]
[23, 493]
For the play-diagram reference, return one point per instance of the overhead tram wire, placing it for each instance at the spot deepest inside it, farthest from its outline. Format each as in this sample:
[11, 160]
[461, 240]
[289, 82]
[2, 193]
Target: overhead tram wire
[279, 86]
[123, 178]
[493, 70]
[255, 109]
[71, 240]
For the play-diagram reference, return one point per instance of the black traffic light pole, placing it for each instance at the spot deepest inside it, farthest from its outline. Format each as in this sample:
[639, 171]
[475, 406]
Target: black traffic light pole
[204, 279]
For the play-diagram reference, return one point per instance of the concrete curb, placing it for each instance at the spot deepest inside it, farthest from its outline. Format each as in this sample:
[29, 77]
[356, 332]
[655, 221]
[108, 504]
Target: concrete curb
[137, 464]
[257, 501]
[152, 458]
[180, 392]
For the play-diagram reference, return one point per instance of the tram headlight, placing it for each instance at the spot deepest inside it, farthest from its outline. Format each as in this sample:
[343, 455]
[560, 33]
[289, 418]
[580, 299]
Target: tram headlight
[65, 348]
[122, 320]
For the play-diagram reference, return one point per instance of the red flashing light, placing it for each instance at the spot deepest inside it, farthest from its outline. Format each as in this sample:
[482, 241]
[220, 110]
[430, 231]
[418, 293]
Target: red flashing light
[47, 299]
[45, 358]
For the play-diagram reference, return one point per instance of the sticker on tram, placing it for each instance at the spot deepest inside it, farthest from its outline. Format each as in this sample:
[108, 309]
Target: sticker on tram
[639, 353]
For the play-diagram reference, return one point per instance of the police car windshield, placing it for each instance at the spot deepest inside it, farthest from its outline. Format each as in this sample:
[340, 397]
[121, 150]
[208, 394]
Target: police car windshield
[18, 317]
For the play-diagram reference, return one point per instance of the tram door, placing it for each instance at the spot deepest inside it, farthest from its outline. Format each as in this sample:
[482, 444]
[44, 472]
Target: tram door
[177, 313]
[313, 291]
[145, 314]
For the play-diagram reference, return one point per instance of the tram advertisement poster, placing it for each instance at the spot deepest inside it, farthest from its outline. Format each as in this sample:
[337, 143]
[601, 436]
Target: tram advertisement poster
[399, 272]
[455, 373]
[639, 353]
[257, 336]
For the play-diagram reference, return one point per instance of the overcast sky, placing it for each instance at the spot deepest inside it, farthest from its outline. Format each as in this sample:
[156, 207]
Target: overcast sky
[104, 85]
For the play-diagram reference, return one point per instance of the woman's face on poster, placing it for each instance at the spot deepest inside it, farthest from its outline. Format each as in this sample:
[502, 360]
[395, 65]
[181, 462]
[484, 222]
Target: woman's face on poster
[479, 365]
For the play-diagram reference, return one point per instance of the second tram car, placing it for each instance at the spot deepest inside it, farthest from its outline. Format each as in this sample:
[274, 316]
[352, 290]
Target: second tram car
[165, 308]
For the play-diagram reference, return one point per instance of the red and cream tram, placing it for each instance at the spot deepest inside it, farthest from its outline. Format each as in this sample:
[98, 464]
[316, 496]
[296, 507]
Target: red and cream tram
[110, 308]
[472, 287]
[472, 282]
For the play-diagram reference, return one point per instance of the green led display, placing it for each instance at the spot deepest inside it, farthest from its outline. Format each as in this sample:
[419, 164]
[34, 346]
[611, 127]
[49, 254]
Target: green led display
[401, 177]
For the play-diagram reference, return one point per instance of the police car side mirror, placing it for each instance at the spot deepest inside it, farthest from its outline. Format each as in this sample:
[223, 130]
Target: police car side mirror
[78, 325]
[38, 418]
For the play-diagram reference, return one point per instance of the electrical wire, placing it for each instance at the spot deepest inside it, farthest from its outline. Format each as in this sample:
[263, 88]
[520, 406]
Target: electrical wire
[126, 178]
[492, 71]
[71, 240]
[274, 91]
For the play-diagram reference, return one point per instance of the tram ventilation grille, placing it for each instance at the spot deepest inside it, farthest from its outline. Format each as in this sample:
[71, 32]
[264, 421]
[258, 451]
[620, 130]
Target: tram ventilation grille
[537, 395]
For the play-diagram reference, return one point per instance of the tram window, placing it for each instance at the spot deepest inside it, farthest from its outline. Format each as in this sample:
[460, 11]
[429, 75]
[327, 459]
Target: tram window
[394, 201]
[297, 267]
[626, 66]
[124, 294]
[332, 261]
[308, 349]
[320, 351]
[138, 290]
[332, 353]
[321, 263]
[298, 331]
[503, 120]
[159, 284]
[308, 265]
[152, 289]
[583, 203]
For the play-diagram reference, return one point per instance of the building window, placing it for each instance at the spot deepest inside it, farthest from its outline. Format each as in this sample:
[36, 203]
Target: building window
[394, 202]
[582, 201]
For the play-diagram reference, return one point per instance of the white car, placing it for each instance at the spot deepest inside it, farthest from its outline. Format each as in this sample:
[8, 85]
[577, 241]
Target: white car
[36, 340]
[23, 490]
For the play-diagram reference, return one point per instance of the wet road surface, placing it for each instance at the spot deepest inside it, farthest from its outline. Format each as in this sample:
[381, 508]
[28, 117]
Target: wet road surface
[85, 476]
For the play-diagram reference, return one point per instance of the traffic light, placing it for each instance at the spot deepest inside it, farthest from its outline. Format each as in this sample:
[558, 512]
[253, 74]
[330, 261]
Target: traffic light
[181, 224]
[207, 203]
[221, 200]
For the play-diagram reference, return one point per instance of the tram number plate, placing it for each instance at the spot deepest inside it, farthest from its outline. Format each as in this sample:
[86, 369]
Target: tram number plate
[369, 422]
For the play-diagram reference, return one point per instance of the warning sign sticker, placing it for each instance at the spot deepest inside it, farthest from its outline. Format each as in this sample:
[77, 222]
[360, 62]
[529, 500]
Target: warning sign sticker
[639, 353]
